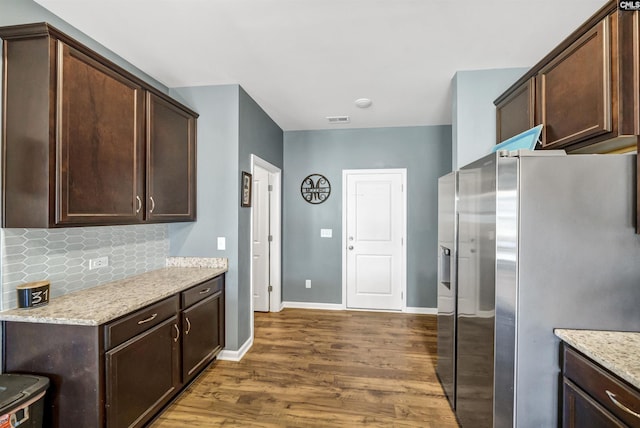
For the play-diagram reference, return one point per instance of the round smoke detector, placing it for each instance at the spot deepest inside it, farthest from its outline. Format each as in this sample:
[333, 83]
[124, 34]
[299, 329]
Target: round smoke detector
[363, 102]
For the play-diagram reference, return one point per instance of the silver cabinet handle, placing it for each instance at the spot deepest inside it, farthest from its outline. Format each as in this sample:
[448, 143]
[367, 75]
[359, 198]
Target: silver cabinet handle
[612, 397]
[153, 204]
[205, 291]
[139, 204]
[146, 320]
[188, 325]
[175, 326]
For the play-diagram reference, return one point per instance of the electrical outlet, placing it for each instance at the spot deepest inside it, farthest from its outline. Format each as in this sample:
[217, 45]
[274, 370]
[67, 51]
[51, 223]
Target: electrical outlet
[222, 243]
[98, 262]
[326, 233]
[307, 283]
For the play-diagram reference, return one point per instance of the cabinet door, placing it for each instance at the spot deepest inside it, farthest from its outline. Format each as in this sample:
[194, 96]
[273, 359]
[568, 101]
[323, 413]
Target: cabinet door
[100, 175]
[142, 375]
[171, 168]
[582, 411]
[201, 335]
[515, 114]
[574, 91]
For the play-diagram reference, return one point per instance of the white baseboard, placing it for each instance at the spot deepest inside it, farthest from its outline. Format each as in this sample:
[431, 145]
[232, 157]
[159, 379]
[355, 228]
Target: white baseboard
[311, 305]
[424, 311]
[227, 355]
[340, 307]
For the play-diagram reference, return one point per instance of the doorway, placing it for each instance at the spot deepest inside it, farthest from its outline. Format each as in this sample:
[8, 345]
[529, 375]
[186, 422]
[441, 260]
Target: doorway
[265, 237]
[374, 230]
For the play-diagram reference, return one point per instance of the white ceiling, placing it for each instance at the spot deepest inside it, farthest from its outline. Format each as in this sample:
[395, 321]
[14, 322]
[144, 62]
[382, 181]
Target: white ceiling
[303, 60]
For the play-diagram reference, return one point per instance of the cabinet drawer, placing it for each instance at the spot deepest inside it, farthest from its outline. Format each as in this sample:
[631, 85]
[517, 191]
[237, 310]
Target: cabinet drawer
[202, 291]
[580, 410]
[620, 399]
[125, 328]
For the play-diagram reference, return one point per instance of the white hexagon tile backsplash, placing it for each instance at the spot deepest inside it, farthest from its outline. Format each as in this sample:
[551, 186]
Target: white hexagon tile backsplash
[62, 256]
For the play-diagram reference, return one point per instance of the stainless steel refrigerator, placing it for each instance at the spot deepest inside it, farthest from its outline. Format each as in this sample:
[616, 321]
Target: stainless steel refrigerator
[530, 241]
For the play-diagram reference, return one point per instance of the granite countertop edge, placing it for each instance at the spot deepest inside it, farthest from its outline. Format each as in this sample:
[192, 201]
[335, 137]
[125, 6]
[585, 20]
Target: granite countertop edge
[103, 303]
[616, 351]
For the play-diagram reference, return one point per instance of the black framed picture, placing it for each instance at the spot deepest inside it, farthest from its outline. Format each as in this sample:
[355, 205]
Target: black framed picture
[245, 190]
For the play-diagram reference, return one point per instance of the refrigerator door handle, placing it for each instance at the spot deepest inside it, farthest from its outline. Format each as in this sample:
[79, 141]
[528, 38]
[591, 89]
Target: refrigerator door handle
[445, 266]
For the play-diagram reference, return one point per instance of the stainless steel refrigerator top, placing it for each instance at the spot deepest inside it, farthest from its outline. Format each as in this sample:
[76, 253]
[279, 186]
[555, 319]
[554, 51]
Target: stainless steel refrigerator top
[542, 241]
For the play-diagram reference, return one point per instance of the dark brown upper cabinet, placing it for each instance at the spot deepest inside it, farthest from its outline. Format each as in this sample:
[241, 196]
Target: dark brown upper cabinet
[584, 92]
[87, 143]
[99, 136]
[171, 161]
[574, 90]
[515, 113]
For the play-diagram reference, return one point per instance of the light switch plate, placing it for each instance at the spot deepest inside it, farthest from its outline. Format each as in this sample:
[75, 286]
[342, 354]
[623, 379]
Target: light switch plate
[326, 233]
[222, 243]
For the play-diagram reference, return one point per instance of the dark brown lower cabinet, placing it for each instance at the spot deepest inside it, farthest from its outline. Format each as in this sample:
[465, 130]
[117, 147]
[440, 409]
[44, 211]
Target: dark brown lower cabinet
[120, 374]
[580, 410]
[142, 374]
[201, 338]
[593, 397]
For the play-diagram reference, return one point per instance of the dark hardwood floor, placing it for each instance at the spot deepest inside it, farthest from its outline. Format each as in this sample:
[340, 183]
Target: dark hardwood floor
[310, 368]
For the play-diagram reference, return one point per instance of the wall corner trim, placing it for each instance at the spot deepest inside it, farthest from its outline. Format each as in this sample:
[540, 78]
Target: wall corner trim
[228, 355]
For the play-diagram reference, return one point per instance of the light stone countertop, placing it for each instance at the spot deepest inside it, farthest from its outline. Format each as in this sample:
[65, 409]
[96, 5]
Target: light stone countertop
[103, 303]
[616, 351]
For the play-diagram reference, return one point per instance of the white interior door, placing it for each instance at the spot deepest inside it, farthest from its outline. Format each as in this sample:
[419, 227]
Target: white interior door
[260, 271]
[374, 238]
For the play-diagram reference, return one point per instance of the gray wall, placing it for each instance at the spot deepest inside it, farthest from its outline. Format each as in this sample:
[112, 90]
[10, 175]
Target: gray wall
[473, 111]
[258, 135]
[424, 151]
[217, 190]
[231, 127]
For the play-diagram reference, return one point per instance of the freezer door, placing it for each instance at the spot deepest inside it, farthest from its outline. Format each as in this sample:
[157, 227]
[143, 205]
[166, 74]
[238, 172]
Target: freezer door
[476, 292]
[445, 366]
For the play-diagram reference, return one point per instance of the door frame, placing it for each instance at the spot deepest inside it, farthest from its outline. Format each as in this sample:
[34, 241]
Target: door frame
[403, 262]
[275, 249]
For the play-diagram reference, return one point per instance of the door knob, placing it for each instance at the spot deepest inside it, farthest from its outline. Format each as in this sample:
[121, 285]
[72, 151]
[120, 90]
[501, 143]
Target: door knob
[351, 247]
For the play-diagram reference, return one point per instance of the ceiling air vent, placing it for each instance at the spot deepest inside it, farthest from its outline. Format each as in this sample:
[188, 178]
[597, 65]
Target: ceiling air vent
[338, 119]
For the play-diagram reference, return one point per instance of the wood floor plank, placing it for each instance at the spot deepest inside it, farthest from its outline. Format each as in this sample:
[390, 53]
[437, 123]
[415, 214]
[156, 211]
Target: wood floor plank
[310, 368]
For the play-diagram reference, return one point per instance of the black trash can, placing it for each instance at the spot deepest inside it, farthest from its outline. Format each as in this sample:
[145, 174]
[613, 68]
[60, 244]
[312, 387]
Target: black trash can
[22, 400]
